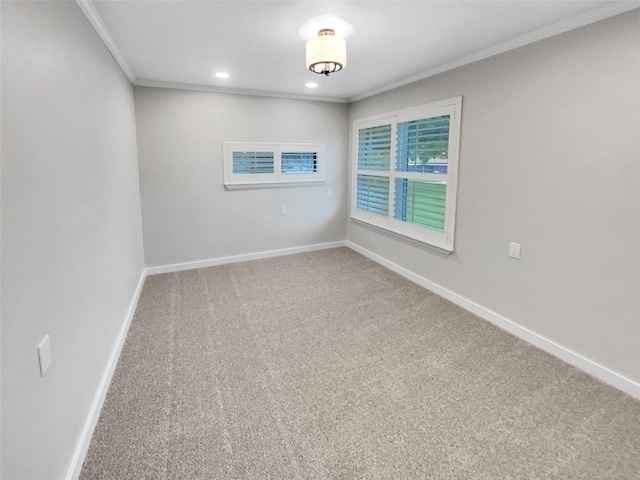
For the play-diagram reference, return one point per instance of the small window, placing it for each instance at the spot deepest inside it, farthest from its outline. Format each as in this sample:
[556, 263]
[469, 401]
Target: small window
[255, 164]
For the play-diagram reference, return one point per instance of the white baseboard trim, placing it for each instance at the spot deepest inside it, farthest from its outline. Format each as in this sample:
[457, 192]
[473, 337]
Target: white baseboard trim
[599, 371]
[94, 413]
[178, 267]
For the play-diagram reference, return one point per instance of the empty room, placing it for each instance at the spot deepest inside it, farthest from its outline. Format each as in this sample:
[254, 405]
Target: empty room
[320, 240]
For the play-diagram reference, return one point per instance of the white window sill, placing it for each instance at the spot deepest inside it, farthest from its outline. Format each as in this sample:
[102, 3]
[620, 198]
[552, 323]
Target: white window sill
[244, 186]
[400, 236]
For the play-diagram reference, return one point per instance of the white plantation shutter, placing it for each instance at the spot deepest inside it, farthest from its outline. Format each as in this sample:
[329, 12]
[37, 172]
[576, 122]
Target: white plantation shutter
[423, 144]
[372, 194]
[260, 164]
[373, 165]
[405, 171]
[245, 163]
[299, 162]
[374, 148]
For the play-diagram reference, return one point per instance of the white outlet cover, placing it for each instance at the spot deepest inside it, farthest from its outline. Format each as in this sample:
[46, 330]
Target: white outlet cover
[514, 250]
[44, 355]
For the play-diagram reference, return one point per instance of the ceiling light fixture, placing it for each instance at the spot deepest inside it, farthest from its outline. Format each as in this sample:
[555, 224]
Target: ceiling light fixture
[222, 75]
[326, 53]
[312, 85]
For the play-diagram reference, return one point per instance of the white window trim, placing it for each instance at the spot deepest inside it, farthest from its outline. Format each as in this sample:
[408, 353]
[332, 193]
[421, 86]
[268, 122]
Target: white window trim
[277, 178]
[442, 241]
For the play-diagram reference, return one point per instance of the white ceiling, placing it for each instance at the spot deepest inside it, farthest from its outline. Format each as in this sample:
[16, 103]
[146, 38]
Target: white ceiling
[261, 44]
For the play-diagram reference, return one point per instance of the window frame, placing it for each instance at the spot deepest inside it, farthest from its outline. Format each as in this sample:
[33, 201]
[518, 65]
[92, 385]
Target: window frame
[441, 241]
[278, 177]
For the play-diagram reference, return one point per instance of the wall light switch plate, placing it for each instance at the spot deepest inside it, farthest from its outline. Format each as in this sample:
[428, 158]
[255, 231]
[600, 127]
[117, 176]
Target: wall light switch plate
[44, 355]
[283, 210]
[514, 250]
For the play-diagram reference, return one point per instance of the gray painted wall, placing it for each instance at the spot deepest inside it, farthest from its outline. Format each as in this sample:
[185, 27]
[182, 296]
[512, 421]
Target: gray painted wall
[549, 158]
[189, 216]
[71, 228]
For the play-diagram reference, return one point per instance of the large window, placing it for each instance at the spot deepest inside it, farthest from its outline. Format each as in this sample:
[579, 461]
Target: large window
[255, 164]
[405, 170]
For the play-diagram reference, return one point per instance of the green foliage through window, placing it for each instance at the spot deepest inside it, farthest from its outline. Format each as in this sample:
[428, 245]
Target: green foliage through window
[420, 202]
[423, 145]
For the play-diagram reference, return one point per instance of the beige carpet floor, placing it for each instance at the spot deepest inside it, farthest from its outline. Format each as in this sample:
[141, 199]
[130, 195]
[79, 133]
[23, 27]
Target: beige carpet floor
[325, 365]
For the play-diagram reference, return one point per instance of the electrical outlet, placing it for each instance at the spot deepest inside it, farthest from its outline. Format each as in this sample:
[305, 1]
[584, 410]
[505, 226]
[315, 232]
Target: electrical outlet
[329, 193]
[44, 355]
[283, 209]
[514, 250]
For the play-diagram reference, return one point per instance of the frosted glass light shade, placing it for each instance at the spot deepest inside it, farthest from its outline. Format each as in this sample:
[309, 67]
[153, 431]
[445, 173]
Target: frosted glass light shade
[326, 53]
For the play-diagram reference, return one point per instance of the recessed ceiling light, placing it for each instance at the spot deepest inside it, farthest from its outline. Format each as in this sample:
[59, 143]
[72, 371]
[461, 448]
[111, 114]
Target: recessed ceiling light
[312, 85]
[222, 75]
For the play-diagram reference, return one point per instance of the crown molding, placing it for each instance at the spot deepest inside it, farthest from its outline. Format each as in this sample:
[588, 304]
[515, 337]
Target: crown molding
[586, 18]
[236, 91]
[90, 12]
[592, 16]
